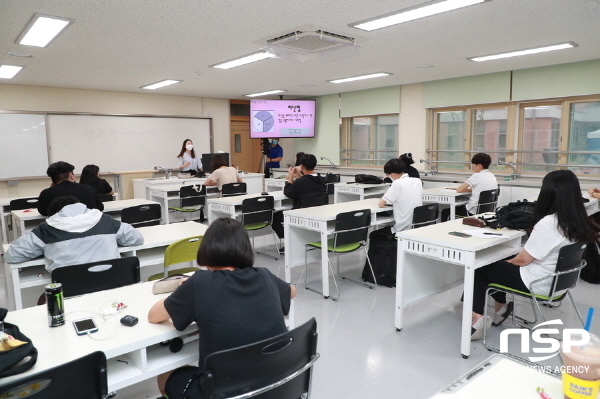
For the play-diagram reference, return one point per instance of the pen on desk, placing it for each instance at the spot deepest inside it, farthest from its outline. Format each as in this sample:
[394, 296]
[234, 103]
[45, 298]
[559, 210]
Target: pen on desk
[493, 234]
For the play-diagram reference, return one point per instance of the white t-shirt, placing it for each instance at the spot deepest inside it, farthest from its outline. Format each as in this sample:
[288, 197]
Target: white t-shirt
[543, 244]
[224, 175]
[405, 194]
[481, 181]
[195, 163]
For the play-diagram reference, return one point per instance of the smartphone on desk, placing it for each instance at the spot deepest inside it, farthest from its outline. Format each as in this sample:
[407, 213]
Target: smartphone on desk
[85, 326]
[459, 234]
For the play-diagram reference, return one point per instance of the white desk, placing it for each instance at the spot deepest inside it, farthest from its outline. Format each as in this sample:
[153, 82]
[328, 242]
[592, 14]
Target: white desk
[442, 195]
[231, 207]
[151, 252]
[137, 345]
[431, 261]
[344, 192]
[272, 184]
[318, 223]
[142, 187]
[170, 192]
[27, 219]
[499, 377]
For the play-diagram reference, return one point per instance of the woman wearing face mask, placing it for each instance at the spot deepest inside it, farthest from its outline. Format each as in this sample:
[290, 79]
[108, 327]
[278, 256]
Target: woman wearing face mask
[188, 162]
[274, 154]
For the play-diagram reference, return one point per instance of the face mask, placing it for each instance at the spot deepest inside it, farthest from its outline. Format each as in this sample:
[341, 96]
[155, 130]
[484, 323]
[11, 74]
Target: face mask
[274, 142]
[189, 147]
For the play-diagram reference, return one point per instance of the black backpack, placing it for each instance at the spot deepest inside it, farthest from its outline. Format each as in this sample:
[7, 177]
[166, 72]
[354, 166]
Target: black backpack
[368, 179]
[516, 215]
[10, 359]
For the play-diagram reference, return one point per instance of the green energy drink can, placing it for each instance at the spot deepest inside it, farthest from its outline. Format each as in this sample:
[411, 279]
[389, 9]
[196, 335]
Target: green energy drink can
[56, 304]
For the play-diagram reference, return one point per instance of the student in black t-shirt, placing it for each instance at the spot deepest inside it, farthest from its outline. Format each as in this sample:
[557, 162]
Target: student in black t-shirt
[232, 303]
[90, 176]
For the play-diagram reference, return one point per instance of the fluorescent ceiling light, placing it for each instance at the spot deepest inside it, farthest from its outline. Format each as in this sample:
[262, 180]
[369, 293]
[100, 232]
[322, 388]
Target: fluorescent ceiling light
[42, 29]
[162, 83]
[247, 59]
[412, 13]
[9, 71]
[552, 47]
[373, 75]
[265, 93]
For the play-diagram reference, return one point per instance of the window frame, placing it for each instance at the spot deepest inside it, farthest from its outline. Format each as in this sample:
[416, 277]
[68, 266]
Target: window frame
[346, 124]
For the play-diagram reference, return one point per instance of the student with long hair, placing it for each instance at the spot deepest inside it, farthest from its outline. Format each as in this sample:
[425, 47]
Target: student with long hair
[559, 219]
[233, 303]
[188, 161]
[408, 161]
[221, 173]
[90, 175]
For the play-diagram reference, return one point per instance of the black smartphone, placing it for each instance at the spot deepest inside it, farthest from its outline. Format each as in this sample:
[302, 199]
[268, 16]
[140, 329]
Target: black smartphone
[459, 234]
[85, 326]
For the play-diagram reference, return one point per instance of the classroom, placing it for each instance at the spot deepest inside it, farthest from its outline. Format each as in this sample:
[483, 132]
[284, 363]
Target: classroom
[434, 95]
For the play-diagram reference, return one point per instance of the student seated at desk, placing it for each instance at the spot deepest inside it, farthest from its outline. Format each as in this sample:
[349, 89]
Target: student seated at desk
[481, 180]
[559, 219]
[73, 234]
[90, 176]
[405, 194]
[221, 173]
[299, 182]
[63, 184]
[233, 303]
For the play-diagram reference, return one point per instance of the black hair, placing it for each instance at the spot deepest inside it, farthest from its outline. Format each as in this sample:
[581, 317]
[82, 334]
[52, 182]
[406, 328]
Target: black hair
[407, 159]
[59, 203]
[218, 160]
[309, 161]
[59, 171]
[394, 165]
[482, 159]
[226, 243]
[561, 195]
[183, 149]
[89, 176]
[298, 156]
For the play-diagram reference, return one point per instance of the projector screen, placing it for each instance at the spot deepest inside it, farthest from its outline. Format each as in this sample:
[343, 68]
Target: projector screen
[282, 118]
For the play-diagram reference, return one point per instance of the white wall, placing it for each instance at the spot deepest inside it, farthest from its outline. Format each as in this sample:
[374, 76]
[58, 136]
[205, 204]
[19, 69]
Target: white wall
[51, 99]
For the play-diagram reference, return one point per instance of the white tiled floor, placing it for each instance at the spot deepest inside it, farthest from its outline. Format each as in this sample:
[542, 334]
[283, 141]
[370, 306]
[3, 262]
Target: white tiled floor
[362, 355]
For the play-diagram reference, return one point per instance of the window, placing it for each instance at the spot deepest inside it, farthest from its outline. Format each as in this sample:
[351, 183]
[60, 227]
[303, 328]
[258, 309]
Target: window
[369, 140]
[535, 137]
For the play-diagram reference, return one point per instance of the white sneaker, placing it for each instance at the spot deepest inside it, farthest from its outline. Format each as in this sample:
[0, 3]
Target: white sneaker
[477, 328]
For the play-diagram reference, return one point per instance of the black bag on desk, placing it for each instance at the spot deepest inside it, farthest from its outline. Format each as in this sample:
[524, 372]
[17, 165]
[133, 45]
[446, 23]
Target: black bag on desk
[383, 254]
[368, 179]
[11, 362]
[516, 215]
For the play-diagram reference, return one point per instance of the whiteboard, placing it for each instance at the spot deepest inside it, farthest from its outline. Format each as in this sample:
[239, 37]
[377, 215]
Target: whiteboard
[23, 148]
[124, 143]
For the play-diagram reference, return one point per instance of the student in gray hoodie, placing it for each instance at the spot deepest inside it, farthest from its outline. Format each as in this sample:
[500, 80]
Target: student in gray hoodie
[72, 235]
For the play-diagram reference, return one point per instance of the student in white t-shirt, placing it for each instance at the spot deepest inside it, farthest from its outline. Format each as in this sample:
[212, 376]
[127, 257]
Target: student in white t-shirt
[405, 194]
[559, 219]
[481, 180]
[221, 173]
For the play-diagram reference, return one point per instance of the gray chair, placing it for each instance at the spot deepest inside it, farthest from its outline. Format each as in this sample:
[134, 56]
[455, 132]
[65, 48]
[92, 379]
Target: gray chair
[191, 199]
[83, 378]
[314, 199]
[233, 189]
[488, 201]
[275, 368]
[257, 213]
[142, 215]
[564, 279]
[425, 215]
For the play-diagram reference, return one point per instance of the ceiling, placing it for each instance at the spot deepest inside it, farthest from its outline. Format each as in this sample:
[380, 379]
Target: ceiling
[120, 45]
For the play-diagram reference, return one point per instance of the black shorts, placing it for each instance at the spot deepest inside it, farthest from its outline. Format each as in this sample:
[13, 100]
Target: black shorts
[179, 379]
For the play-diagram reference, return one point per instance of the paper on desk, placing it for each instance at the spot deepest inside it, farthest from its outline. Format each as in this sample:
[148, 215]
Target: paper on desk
[479, 233]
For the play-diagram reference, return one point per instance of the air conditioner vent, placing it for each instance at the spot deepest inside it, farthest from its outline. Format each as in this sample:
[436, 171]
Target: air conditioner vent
[311, 42]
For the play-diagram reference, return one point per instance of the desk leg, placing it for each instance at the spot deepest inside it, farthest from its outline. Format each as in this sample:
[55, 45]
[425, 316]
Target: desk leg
[4, 226]
[16, 289]
[465, 336]
[452, 211]
[324, 259]
[400, 264]
[288, 265]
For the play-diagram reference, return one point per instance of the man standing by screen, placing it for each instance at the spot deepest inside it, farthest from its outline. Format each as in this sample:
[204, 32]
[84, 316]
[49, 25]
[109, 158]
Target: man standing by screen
[274, 154]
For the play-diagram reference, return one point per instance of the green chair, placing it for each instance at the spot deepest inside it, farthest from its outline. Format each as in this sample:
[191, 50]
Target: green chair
[569, 265]
[351, 233]
[257, 214]
[191, 199]
[181, 251]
